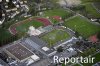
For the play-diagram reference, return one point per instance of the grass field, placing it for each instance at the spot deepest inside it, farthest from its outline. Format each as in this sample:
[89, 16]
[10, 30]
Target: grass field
[57, 12]
[82, 26]
[55, 36]
[97, 5]
[97, 59]
[92, 11]
[25, 26]
[88, 10]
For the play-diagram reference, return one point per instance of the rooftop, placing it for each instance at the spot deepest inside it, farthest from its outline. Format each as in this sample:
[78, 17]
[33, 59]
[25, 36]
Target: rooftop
[38, 44]
[19, 52]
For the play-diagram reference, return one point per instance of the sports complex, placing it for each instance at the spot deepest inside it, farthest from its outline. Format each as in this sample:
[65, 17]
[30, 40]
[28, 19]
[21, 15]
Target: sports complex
[57, 15]
[49, 30]
[77, 23]
[23, 26]
[50, 17]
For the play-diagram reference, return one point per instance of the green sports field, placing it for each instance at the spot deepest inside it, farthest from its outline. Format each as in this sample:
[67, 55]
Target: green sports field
[57, 12]
[26, 24]
[55, 36]
[88, 9]
[92, 11]
[82, 26]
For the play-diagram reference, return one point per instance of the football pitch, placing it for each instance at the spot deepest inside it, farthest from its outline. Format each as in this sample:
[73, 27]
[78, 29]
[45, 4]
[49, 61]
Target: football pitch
[25, 26]
[55, 36]
[57, 12]
[92, 11]
[83, 26]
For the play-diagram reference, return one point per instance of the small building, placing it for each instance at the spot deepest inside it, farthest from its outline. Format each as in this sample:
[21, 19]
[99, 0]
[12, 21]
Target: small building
[33, 31]
[49, 51]
[70, 49]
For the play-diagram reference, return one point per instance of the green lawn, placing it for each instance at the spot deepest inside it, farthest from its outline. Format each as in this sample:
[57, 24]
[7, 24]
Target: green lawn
[25, 26]
[55, 36]
[92, 11]
[97, 5]
[57, 12]
[88, 10]
[97, 59]
[82, 26]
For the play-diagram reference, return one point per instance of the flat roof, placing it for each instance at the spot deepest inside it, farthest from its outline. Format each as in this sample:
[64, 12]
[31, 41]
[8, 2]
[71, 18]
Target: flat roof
[19, 52]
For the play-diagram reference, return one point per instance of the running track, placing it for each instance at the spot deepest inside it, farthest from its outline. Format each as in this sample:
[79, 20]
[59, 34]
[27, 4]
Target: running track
[45, 21]
[13, 30]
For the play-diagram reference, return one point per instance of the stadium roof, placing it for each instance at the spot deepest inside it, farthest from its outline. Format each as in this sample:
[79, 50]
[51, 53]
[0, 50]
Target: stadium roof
[40, 45]
[19, 52]
[37, 41]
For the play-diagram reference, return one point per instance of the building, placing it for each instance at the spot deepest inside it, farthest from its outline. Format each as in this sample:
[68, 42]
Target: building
[10, 8]
[40, 45]
[33, 31]
[21, 53]
[31, 50]
[2, 15]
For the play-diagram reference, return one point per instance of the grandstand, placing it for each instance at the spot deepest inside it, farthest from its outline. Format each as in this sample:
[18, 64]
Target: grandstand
[21, 53]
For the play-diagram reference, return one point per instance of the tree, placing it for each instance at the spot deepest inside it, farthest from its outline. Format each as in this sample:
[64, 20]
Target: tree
[77, 34]
[60, 49]
[98, 35]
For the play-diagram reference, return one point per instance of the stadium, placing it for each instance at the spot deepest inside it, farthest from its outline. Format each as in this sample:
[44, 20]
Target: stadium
[23, 26]
[56, 36]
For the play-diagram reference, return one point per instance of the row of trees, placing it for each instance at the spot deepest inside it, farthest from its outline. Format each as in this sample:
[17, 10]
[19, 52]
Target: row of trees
[8, 40]
[98, 36]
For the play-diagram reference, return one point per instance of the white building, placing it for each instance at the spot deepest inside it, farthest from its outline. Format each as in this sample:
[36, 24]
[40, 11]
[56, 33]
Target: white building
[33, 31]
